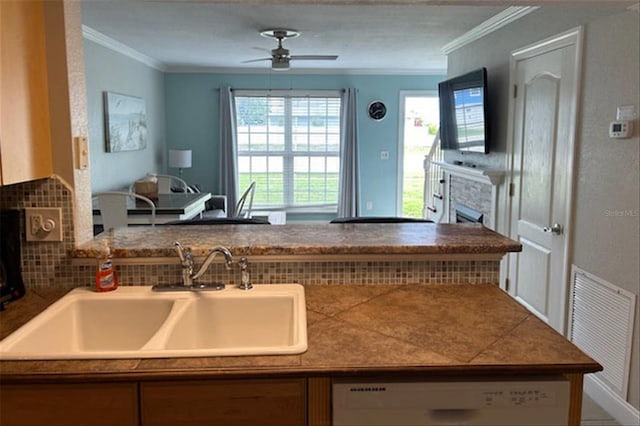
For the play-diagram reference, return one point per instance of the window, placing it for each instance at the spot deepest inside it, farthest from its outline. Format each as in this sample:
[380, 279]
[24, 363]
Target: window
[290, 145]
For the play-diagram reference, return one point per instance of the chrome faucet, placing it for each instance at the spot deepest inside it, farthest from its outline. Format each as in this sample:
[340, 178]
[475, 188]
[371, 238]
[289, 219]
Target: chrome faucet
[188, 276]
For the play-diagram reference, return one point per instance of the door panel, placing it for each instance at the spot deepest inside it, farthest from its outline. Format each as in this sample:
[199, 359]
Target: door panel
[533, 289]
[538, 151]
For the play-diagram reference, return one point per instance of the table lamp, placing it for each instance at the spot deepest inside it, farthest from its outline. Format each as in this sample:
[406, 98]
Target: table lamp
[180, 159]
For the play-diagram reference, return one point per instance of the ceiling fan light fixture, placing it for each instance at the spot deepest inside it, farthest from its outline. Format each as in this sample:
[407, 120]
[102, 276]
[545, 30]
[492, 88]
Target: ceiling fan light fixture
[280, 65]
[281, 57]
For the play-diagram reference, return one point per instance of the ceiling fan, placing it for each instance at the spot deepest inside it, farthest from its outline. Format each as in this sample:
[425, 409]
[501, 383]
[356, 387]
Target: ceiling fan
[280, 57]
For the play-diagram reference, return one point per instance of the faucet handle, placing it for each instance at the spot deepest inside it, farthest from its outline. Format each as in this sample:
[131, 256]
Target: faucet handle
[243, 263]
[179, 250]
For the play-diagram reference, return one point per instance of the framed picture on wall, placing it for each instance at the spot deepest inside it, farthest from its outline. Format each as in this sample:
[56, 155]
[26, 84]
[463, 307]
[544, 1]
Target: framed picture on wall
[125, 122]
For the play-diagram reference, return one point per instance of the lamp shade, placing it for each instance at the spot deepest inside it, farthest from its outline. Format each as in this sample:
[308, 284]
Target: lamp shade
[180, 158]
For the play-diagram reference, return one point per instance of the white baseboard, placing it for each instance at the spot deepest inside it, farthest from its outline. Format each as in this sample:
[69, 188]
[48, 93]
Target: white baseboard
[611, 402]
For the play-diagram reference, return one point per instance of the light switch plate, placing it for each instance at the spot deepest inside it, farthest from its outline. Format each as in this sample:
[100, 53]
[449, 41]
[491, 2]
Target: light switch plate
[626, 113]
[43, 223]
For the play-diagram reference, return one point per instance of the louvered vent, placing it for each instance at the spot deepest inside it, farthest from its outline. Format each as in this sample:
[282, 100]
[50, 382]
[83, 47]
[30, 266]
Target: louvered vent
[602, 326]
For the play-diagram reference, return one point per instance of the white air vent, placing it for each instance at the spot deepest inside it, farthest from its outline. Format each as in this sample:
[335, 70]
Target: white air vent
[602, 326]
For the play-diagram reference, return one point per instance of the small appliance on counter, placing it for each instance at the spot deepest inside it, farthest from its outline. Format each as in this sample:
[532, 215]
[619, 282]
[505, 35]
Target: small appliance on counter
[11, 284]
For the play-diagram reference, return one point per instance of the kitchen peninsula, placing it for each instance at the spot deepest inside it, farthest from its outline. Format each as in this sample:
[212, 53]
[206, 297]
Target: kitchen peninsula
[404, 253]
[448, 322]
[347, 240]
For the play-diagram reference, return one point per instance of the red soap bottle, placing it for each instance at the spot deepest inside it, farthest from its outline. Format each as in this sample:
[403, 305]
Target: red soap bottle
[106, 277]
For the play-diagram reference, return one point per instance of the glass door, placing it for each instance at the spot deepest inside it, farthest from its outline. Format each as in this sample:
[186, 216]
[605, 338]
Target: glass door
[420, 118]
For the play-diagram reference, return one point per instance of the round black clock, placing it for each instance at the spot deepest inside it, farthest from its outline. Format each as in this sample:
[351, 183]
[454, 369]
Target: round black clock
[377, 110]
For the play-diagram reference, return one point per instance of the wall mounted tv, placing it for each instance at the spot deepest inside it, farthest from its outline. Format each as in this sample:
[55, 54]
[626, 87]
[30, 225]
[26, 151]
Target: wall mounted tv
[463, 113]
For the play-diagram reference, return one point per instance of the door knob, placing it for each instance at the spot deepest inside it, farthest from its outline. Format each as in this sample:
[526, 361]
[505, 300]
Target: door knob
[556, 228]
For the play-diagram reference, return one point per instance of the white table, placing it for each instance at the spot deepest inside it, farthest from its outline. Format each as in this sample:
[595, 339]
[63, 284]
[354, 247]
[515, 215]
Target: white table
[169, 207]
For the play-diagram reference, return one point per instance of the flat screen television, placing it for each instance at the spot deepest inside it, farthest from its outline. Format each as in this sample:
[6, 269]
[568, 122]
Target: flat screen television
[463, 113]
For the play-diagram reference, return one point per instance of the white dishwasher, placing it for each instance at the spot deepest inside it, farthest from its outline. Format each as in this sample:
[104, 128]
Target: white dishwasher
[384, 403]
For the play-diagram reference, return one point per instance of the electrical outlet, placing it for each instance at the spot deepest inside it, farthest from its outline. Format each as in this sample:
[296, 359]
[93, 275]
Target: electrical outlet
[384, 155]
[368, 205]
[43, 223]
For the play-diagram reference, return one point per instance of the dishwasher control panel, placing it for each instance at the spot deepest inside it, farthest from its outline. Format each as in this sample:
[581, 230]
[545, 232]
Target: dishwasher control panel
[512, 403]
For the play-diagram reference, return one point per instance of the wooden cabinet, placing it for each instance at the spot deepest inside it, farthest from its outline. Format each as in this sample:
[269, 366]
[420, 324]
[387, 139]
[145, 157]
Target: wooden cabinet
[255, 402]
[82, 404]
[25, 135]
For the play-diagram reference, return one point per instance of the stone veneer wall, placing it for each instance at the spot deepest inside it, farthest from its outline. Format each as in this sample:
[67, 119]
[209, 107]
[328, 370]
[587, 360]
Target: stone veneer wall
[475, 195]
[46, 264]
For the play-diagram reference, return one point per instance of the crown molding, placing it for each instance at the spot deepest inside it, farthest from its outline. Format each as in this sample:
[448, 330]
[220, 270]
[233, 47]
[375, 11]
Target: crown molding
[106, 41]
[492, 24]
[305, 71]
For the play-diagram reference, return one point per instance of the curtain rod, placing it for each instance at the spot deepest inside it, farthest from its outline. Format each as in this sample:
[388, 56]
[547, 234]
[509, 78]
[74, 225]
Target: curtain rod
[285, 90]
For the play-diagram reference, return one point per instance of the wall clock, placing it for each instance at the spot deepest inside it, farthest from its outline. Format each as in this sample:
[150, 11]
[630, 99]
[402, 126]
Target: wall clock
[377, 110]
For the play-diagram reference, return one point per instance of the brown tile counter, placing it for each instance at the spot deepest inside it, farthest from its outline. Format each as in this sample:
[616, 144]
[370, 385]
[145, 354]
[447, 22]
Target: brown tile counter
[381, 332]
[422, 330]
[306, 240]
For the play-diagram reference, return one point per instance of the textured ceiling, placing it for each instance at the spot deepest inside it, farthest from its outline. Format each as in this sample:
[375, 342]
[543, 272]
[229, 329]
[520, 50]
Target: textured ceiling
[367, 35]
[191, 35]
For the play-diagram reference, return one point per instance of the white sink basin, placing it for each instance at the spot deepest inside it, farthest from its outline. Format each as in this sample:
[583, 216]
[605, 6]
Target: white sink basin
[226, 323]
[134, 322]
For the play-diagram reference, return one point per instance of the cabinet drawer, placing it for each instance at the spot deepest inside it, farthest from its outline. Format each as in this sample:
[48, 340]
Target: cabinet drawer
[80, 404]
[224, 402]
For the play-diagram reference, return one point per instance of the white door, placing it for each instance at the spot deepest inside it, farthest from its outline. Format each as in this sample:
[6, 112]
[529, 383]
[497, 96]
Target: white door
[546, 78]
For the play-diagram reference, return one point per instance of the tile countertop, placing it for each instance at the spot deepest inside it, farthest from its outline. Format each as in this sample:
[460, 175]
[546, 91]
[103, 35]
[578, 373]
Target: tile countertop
[421, 330]
[312, 239]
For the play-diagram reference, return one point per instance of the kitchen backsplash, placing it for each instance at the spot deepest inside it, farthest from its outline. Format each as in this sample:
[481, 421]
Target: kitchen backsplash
[43, 263]
[393, 272]
[49, 263]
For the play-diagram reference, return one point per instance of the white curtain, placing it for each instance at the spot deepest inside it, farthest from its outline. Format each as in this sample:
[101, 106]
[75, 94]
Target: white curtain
[228, 163]
[349, 192]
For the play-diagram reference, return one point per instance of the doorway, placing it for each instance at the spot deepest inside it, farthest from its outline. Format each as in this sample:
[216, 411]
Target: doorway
[419, 121]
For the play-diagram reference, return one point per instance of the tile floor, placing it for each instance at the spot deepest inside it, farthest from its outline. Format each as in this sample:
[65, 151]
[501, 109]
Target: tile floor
[594, 415]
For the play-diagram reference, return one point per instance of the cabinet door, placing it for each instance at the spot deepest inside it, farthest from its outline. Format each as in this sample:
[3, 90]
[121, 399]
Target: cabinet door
[224, 402]
[25, 135]
[83, 404]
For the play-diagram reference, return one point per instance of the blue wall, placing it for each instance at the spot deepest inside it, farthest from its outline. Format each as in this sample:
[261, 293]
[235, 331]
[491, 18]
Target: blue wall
[109, 71]
[192, 122]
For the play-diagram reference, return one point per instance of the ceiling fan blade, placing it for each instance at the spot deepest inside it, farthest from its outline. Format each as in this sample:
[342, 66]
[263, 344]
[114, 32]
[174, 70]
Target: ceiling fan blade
[256, 60]
[316, 57]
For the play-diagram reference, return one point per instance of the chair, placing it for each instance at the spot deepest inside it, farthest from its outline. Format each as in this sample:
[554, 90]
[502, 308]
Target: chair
[248, 193]
[379, 219]
[165, 184]
[113, 207]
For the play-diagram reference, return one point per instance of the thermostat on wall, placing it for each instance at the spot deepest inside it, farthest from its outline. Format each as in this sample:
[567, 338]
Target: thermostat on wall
[620, 129]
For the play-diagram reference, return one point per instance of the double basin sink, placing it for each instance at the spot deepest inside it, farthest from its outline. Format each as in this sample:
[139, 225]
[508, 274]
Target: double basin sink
[135, 322]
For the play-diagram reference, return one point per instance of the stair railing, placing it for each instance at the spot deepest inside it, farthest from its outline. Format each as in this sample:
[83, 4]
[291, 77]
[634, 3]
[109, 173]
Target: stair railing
[433, 182]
